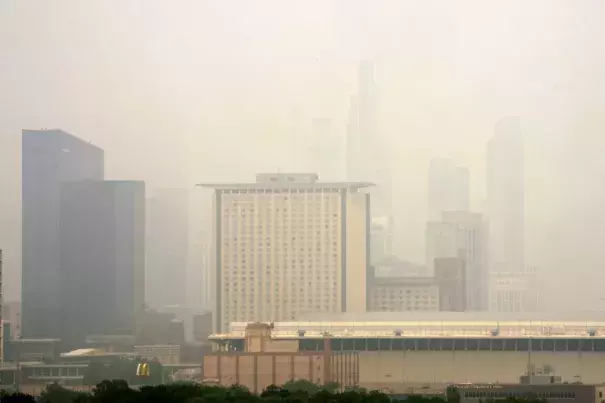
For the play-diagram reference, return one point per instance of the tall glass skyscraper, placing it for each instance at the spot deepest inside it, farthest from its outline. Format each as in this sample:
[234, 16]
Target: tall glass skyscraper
[49, 158]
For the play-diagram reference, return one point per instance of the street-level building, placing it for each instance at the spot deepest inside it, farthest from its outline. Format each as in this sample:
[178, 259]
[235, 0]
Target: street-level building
[439, 348]
[552, 393]
[264, 361]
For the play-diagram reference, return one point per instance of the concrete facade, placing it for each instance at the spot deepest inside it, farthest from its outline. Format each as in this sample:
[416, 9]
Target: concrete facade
[439, 349]
[288, 245]
[451, 280]
[401, 294]
[513, 291]
[551, 393]
[267, 361]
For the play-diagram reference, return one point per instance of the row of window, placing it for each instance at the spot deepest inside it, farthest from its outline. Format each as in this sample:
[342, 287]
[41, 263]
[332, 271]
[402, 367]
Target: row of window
[502, 394]
[424, 308]
[462, 344]
[282, 190]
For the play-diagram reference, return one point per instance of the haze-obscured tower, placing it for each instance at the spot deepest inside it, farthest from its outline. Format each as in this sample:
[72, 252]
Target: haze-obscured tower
[49, 158]
[326, 151]
[448, 188]
[368, 157]
[288, 245]
[167, 248]
[461, 235]
[102, 259]
[506, 197]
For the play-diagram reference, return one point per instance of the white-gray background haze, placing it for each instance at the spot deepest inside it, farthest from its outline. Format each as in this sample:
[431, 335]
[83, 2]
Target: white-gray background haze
[185, 91]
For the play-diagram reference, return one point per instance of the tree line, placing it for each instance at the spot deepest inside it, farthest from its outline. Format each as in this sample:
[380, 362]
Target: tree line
[118, 391]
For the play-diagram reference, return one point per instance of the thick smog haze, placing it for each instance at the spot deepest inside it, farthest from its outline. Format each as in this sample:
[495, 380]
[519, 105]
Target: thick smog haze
[183, 92]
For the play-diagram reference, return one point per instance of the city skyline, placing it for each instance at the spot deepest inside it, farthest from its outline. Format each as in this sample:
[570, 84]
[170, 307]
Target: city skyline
[192, 95]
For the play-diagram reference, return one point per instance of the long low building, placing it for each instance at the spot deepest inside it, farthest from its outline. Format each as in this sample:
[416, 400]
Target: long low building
[456, 351]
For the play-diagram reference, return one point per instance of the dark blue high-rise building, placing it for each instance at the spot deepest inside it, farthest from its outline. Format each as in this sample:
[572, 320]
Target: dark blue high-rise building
[102, 255]
[49, 159]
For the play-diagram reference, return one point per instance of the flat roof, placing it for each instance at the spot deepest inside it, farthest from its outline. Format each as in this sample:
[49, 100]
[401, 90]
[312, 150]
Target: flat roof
[60, 133]
[285, 185]
[443, 316]
[429, 329]
[36, 340]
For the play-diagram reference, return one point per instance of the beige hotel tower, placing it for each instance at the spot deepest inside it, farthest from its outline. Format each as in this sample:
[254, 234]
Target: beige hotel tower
[288, 245]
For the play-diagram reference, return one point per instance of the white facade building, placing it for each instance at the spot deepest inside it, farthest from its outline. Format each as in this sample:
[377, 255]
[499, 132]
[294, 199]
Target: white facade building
[403, 294]
[513, 291]
[287, 245]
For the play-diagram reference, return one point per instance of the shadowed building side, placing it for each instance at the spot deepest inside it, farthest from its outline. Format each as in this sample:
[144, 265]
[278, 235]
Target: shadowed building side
[102, 276]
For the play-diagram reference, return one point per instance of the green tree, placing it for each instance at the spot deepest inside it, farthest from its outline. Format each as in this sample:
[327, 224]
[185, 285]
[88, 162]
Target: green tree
[113, 391]
[452, 394]
[7, 397]
[302, 385]
[57, 394]
[95, 373]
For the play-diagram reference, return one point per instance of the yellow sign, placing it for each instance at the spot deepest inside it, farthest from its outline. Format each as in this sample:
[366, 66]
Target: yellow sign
[143, 369]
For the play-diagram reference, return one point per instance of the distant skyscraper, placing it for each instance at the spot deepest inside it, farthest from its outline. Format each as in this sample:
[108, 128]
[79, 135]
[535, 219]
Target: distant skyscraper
[448, 188]
[326, 152]
[49, 158]
[167, 248]
[102, 259]
[287, 245]
[368, 156]
[506, 197]
[461, 235]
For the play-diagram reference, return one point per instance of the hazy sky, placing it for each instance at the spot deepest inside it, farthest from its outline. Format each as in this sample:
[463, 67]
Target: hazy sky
[184, 91]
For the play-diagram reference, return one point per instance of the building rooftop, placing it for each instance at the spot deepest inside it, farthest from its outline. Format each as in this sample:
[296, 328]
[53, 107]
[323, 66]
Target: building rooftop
[60, 133]
[272, 181]
[36, 340]
[426, 328]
